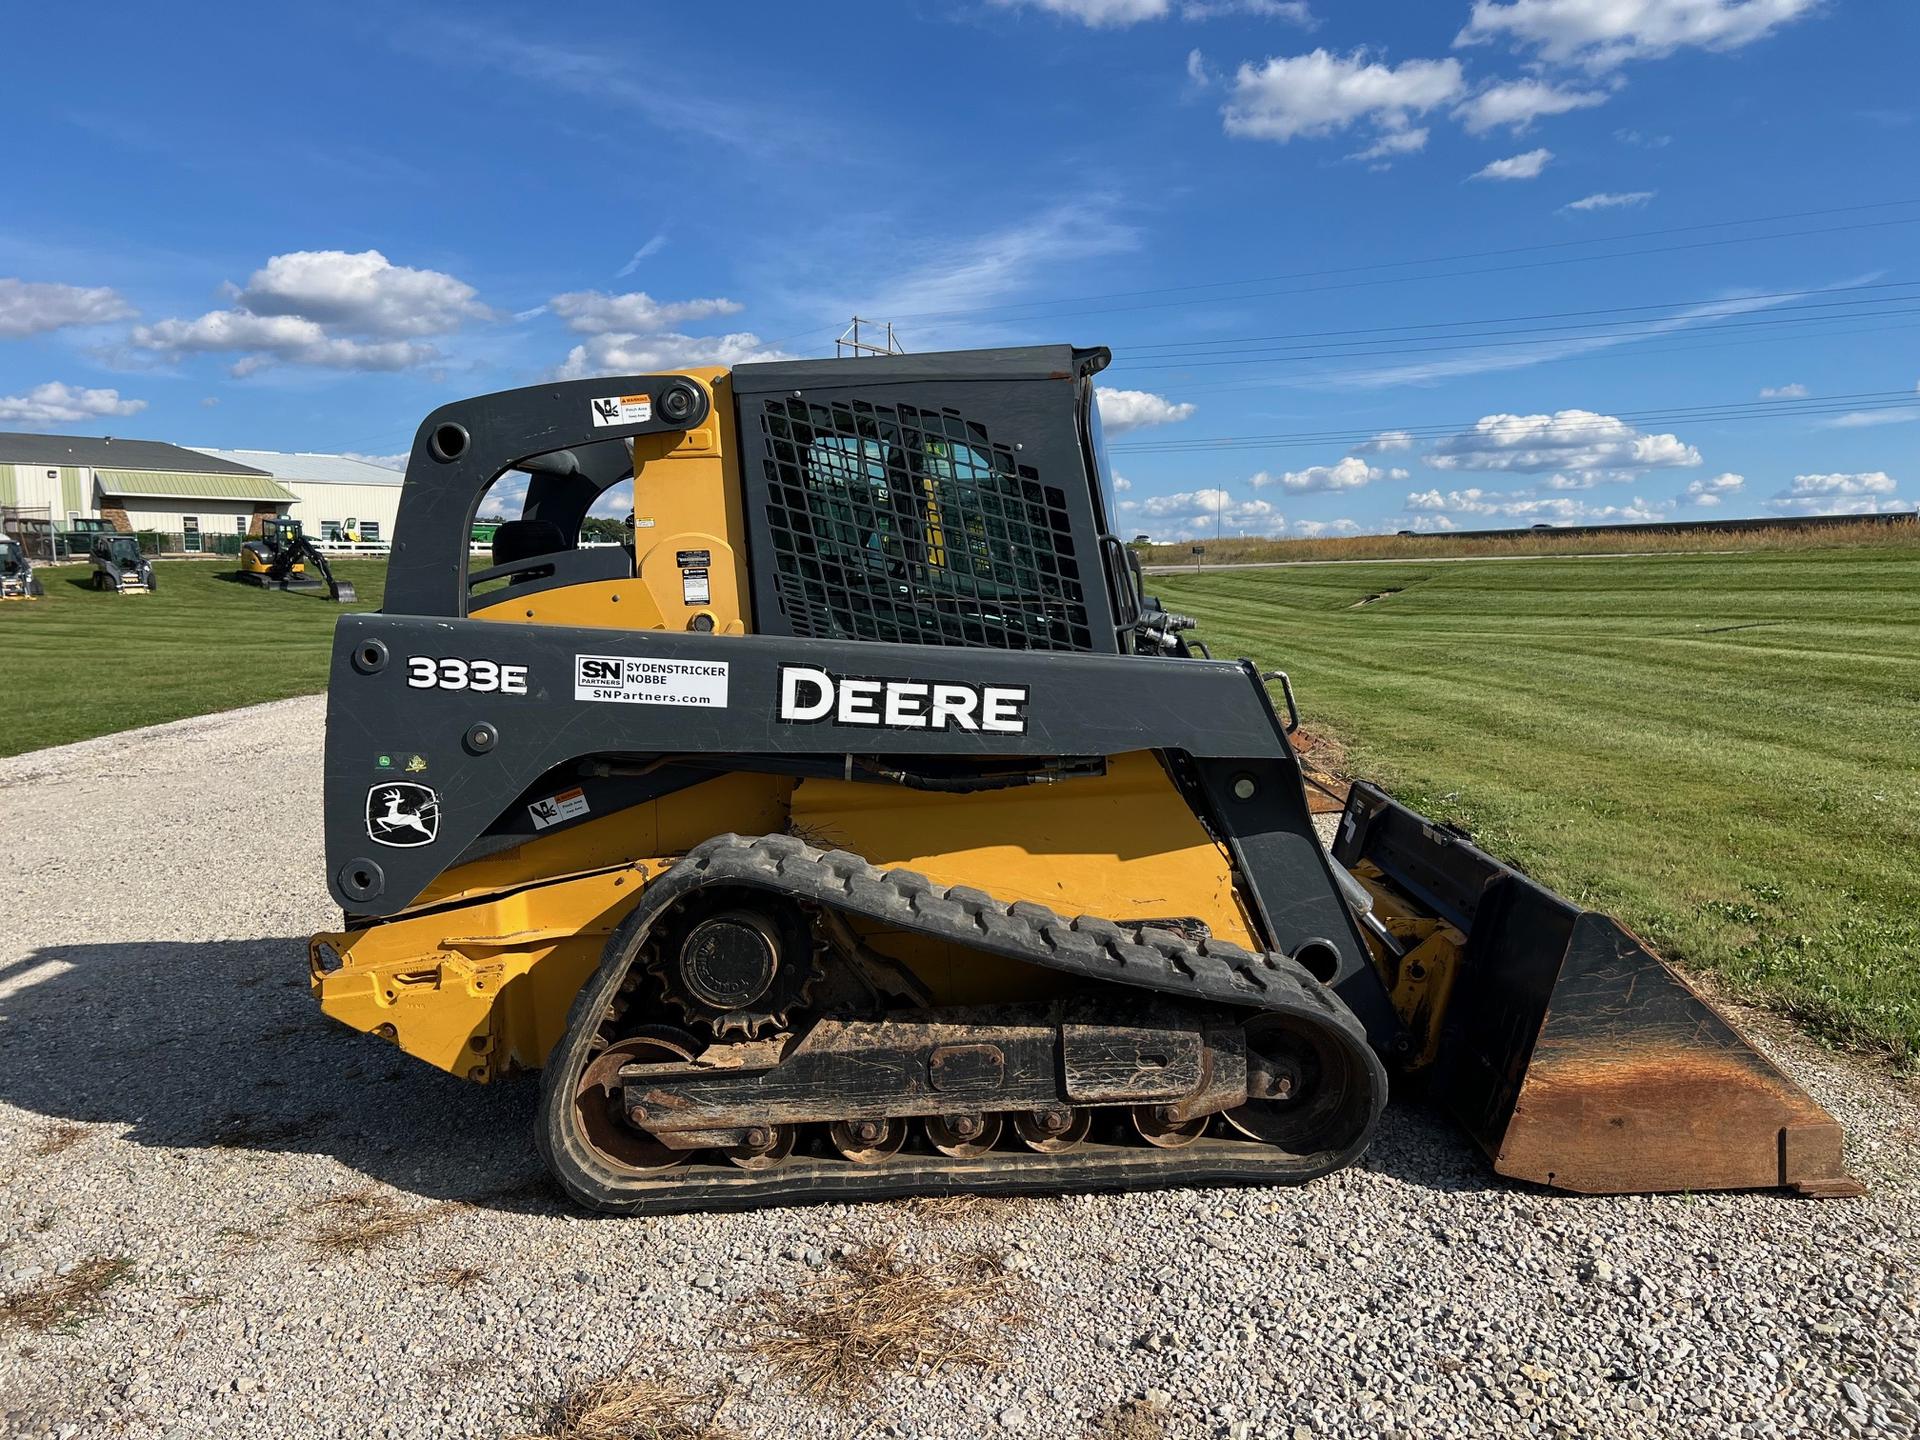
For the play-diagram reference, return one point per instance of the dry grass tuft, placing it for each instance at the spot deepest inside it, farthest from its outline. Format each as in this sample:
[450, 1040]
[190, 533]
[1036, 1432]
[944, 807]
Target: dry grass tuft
[458, 1277]
[63, 1301]
[1129, 1420]
[363, 1219]
[633, 1405]
[58, 1138]
[974, 1208]
[877, 1314]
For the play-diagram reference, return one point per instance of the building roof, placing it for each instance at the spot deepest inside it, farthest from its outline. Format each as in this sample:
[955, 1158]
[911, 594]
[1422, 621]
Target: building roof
[309, 468]
[192, 485]
[111, 452]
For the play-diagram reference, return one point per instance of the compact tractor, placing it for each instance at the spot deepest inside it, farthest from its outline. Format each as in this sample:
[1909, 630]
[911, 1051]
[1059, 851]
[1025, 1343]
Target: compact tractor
[865, 827]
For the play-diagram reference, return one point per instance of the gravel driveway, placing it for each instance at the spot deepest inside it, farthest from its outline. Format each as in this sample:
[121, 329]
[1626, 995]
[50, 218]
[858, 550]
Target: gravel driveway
[225, 1216]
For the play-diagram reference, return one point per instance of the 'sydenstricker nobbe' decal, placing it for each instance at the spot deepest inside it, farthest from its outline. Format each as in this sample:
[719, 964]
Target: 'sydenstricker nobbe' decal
[810, 696]
[631, 680]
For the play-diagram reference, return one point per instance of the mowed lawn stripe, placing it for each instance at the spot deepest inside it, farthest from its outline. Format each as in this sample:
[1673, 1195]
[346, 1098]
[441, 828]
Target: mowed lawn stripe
[80, 663]
[1748, 799]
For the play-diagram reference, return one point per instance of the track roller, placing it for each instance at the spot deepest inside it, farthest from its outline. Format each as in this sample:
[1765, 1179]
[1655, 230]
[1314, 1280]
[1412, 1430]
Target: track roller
[868, 1142]
[963, 1137]
[1154, 1125]
[765, 1147]
[1053, 1130]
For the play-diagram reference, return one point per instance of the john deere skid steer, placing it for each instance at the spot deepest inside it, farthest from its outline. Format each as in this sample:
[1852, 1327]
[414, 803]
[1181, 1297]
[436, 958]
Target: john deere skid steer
[119, 566]
[863, 828]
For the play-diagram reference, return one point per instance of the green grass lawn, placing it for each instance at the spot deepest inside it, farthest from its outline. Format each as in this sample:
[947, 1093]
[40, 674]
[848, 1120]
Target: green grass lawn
[80, 663]
[1721, 750]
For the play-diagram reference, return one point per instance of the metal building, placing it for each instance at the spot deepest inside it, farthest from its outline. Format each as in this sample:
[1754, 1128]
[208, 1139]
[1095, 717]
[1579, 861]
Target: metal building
[137, 485]
[336, 496]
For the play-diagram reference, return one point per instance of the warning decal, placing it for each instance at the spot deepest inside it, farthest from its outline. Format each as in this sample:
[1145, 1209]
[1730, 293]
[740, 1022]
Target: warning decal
[622, 409]
[625, 679]
[567, 805]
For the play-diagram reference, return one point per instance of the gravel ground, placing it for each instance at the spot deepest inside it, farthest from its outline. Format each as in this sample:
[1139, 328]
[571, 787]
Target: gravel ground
[184, 1139]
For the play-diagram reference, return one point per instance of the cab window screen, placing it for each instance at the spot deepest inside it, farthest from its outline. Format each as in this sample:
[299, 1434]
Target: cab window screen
[909, 525]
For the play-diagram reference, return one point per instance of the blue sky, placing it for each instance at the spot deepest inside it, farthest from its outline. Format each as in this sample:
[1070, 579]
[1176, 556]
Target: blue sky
[1362, 266]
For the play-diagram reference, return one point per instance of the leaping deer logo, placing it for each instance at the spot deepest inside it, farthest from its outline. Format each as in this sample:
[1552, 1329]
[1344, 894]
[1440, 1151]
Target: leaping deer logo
[402, 814]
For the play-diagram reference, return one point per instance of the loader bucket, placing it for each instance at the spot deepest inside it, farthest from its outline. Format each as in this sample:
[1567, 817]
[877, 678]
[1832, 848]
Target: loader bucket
[1570, 1051]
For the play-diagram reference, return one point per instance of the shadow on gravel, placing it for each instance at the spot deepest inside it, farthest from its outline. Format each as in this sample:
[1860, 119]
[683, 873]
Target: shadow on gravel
[220, 1045]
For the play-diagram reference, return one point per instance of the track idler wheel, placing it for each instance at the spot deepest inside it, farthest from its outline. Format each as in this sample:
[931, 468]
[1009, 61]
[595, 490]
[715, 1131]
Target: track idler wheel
[966, 1136]
[868, 1142]
[1301, 1088]
[1053, 1130]
[597, 1101]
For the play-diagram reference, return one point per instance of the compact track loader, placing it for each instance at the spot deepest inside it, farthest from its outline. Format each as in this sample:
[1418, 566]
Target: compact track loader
[863, 828]
[277, 559]
[118, 565]
[17, 580]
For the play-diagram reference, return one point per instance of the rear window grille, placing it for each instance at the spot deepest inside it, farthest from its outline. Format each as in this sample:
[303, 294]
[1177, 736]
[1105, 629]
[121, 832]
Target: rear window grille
[901, 524]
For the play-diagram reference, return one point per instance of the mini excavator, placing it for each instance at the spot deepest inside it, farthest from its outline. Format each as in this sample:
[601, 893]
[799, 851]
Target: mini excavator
[277, 559]
[863, 827]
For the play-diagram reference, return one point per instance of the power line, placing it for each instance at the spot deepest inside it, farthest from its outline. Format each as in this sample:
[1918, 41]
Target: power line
[1217, 344]
[1546, 336]
[1664, 342]
[1433, 259]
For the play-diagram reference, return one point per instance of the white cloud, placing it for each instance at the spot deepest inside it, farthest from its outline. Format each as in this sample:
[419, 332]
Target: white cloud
[1795, 391]
[1116, 14]
[1647, 140]
[1712, 492]
[1601, 34]
[646, 252]
[30, 307]
[1122, 484]
[1124, 410]
[1520, 505]
[1314, 529]
[57, 404]
[1199, 514]
[1518, 103]
[267, 338]
[385, 462]
[1348, 474]
[324, 308]
[1862, 493]
[1294, 12]
[1099, 14]
[1567, 440]
[1392, 143]
[1526, 166]
[1320, 93]
[361, 293]
[1861, 419]
[616, 353]
[1610, 200]
[1197, 71]
[593, 312]
[1385, 441]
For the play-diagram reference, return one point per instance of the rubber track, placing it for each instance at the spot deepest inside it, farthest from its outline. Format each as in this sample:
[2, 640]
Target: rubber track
[1143, 956]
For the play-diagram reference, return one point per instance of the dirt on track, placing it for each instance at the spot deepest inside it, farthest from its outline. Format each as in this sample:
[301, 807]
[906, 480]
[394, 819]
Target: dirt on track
[225, 1216]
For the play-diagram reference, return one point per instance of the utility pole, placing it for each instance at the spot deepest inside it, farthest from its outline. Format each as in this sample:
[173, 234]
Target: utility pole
[852, 343]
